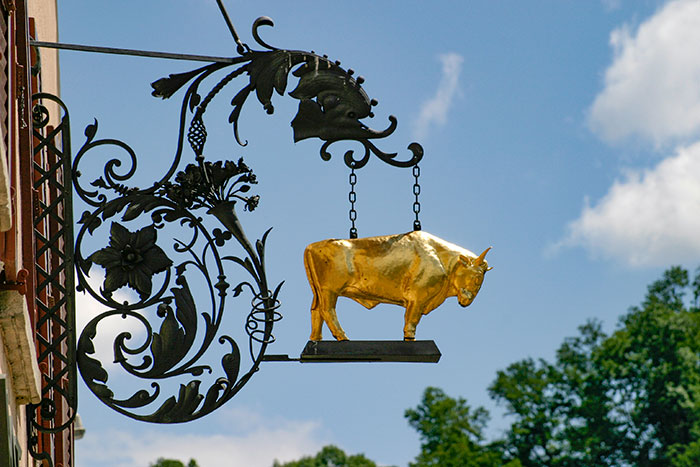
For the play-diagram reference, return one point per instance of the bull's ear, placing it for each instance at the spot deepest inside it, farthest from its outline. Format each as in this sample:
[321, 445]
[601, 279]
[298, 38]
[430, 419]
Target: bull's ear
[489, 268]
[465, 260]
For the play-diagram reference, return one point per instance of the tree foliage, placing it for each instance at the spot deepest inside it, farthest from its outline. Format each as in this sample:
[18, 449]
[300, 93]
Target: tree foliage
[162, 462]
[451, 432]
[330, 456]
[631, 398]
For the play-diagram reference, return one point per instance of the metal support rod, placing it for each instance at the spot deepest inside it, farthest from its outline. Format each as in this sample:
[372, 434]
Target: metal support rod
[224, 13]
[134, 52]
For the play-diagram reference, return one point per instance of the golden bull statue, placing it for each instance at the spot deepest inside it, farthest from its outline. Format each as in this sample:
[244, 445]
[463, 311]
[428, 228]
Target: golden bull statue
[415, 270]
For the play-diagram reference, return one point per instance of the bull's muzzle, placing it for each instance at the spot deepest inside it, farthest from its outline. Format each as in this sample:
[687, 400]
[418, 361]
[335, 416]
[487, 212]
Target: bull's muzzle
[465, 297]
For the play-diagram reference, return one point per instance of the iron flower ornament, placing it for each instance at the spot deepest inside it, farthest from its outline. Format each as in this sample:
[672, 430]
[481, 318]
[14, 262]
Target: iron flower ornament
[131, 259]
[215, 183]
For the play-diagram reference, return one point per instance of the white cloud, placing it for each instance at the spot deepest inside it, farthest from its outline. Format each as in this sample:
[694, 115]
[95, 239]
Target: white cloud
[434, 111]
[611, 5]
[87, 308]
[651, 88]
[258, 445]
[648, 219]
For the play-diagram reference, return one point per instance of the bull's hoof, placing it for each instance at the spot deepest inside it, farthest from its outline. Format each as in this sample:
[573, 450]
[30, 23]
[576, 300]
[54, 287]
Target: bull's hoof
[409, 339]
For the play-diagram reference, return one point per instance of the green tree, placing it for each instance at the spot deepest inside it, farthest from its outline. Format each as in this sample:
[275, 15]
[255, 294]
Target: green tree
[451, 432]
[631, 398]
[329, 456]
[653, 366]
[561, 410]
[162, 462]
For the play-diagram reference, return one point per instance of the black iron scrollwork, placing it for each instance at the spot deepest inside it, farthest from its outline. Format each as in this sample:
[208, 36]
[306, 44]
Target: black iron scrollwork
[160, 246]
[134, 260]
[331, 101]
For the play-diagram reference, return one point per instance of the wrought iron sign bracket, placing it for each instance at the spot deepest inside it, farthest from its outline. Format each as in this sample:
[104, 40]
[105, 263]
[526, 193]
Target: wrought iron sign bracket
[163, 242]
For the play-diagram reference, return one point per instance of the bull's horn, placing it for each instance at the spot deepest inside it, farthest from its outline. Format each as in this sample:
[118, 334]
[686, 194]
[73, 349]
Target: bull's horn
[481, 257]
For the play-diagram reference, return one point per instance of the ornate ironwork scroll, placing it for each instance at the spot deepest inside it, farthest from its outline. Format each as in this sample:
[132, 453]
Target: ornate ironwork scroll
[49, 423]
[163, 265]
[331, 101]
[162, 283]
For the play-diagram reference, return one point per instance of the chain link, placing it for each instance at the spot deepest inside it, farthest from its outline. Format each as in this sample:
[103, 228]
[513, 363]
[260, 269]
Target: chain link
[352, 197]
[416, 192]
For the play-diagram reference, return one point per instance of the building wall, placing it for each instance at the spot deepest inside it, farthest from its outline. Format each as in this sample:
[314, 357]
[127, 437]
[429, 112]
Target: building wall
[45, 14]
[18, 357]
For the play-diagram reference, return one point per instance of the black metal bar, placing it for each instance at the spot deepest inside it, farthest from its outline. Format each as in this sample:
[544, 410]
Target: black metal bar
[279, 358]
[370, 351]
[133, 52]
[224, 13]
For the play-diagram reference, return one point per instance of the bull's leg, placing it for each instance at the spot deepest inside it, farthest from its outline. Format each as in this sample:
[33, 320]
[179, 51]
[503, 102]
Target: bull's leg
[330, 317]
[316, 320]
[411, 318]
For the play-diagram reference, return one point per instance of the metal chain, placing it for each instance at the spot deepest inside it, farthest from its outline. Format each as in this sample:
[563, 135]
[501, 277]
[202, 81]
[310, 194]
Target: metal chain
[352, 197]
[416, 192]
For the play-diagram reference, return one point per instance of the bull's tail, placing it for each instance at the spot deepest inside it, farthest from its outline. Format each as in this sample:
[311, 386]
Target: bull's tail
[311, 276]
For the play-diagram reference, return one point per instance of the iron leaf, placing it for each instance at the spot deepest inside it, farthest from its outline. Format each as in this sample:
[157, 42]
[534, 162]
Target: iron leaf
[231, 364]
[113, 207]
[90, 131]
[212, 397]
[166, 87]
[162, 414]
[140, 399]
[186, 311]
[91, 368]
[102, 391]
[194, 101]
[187, 401]
[100, 183]
[137, 208]
[94, 224]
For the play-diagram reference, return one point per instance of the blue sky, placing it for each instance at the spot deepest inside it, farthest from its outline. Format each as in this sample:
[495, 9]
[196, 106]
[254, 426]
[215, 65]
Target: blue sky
[564, 134]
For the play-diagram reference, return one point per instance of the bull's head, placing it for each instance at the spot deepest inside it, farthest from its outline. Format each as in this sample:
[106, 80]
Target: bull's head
[468, 277]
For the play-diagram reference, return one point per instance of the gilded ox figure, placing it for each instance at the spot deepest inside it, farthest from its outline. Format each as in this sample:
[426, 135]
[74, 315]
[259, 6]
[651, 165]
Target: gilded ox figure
[415, 270]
